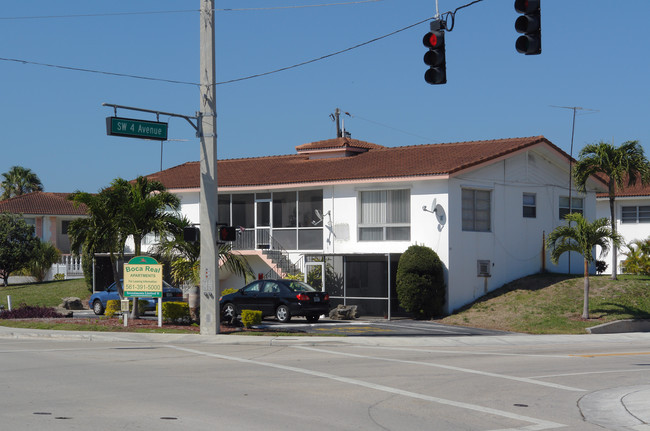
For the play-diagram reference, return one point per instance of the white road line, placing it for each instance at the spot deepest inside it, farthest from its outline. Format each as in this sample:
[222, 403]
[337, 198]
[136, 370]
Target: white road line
[537, 424]
[449, 367]
[412, 349]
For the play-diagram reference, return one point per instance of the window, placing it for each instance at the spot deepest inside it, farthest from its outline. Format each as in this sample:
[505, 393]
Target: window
[476, 210]
[635, 214]
[529, 205]
[385, 215]
[576, 206]
[150, 238]
[65, 225]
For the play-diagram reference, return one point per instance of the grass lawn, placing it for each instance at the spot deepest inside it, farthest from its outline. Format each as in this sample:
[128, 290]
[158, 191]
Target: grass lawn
[47, 294]
[552, 304]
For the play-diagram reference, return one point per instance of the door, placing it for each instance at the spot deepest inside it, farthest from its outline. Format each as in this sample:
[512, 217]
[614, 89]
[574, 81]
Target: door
[263, 223]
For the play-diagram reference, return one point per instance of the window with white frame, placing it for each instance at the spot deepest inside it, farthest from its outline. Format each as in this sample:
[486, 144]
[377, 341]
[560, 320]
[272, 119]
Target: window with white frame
[385, 215]
[576, 206]
[476, 206]
[635, 214]
[529, 205]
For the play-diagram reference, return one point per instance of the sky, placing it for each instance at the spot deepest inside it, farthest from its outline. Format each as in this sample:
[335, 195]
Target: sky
[595, 56]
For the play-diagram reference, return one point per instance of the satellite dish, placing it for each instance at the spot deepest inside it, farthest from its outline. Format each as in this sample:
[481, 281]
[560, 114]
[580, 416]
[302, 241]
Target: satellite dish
[440, 214]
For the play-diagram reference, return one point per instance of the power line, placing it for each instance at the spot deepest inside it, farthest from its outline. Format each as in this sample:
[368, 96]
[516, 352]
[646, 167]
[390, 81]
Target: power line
[89, 15]
[171, 81]
[80, 69]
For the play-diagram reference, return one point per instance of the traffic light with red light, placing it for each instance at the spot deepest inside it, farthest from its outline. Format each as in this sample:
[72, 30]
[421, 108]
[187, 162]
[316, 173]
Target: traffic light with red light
[435, 57]
[227, 233]
[529, 24]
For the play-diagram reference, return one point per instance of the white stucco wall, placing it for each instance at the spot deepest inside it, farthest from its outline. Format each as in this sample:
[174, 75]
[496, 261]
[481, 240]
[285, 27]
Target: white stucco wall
[629, 231]
[514, 246]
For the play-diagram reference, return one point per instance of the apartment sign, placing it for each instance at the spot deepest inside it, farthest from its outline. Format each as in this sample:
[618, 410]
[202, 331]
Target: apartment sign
[143, 278]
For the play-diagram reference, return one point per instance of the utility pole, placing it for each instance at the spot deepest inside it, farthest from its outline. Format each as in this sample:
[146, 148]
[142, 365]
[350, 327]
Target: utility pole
[210, 318]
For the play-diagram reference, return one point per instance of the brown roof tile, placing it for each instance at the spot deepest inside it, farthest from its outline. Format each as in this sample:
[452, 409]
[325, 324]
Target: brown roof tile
[377, 163]
[337, 143]
[42, 203]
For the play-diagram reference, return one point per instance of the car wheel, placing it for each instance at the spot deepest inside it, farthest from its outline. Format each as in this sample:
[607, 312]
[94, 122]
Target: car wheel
[282, 314]
[98, 308]
[313, 318]
[229, 312]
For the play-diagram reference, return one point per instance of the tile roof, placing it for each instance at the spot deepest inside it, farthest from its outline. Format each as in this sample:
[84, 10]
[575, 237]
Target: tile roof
[337, 143]
[638, 189]
[376, 163]
[45, 203]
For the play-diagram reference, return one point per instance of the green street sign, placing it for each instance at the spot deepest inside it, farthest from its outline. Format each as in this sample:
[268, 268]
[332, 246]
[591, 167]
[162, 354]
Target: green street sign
[132, 128]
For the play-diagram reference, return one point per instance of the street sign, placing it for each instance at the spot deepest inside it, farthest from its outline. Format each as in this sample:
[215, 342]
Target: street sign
[132, 128]
[143, 278]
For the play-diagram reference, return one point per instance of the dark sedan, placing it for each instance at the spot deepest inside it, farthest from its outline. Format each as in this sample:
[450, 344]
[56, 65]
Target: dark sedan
[280, 298]
[98, 299]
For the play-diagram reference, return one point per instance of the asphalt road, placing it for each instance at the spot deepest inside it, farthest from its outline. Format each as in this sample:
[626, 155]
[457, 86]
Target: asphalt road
[59, 380]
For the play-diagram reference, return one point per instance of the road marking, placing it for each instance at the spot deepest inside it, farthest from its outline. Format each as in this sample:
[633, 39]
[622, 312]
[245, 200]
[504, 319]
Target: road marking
[479, 353]
[537, 424]
[598, 355]
[449, 367]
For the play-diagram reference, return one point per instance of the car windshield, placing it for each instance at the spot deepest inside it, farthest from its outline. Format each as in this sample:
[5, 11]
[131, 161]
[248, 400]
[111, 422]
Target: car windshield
[299, 286]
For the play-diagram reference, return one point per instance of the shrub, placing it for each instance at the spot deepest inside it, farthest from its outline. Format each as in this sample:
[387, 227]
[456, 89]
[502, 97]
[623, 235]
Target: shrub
[45, 255]
[601, 266]
[228, 291]
[59, 277]
[113, 307]
[420, 282]
[250, 318]
[30, 312]
[176, 312]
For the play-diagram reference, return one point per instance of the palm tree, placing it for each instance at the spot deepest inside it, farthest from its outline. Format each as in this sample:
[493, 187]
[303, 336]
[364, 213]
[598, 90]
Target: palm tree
[185, 255]
[145, 208]
[19, 181]
[626, 162]
[100, 232]
[582, 236]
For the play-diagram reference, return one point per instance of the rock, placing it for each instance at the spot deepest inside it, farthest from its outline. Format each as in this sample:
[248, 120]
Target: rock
[343, 312]
[72, 303]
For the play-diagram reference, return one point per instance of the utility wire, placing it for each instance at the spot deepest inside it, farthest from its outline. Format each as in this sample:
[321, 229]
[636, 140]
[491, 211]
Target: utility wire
[323, 57]
[282, 69]
[79, 69]
[125, 75]
[184, 11]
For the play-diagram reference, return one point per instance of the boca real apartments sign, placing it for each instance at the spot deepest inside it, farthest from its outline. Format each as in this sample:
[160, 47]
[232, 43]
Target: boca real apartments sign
[143, 277]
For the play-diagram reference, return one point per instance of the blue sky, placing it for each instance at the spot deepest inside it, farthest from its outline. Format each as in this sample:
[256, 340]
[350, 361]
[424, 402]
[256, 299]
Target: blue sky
[595, 55]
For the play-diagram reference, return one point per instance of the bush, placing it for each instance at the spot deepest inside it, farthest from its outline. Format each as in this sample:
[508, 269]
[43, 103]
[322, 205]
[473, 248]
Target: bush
[175, 312]
[250, 318]
[45, 255]
[30, 312]
[228, 291]
[59, 277]
[113, 307]
[420, 282]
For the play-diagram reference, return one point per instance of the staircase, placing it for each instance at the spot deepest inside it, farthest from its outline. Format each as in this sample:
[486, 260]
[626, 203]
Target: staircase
[280, 258]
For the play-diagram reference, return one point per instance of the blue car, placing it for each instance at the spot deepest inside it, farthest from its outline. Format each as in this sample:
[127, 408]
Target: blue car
[98, 299]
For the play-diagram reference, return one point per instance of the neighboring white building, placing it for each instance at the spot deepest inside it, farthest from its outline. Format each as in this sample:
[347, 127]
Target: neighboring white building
[632, 213]
[484, 207]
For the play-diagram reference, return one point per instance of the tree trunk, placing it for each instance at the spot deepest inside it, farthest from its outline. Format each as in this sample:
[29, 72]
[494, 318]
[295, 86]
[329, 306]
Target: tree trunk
[612, 212]
[585, 307]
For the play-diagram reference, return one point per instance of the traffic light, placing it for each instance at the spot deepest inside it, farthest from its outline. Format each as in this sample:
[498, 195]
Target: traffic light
[191, 234]
[530, 43]
[435, 57]
[227, 233]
